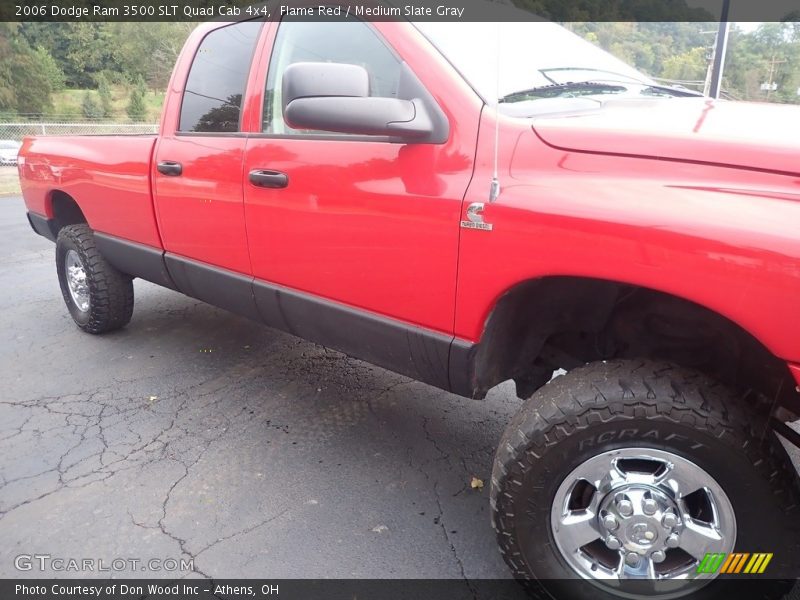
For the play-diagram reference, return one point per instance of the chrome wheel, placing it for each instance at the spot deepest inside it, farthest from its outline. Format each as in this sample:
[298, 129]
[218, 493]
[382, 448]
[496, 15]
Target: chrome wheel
[640, 513]
[76, 280]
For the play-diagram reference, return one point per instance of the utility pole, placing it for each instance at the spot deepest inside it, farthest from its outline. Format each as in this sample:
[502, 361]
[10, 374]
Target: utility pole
[720, 48]
[709, 70]
[772, 64]
[710, 66]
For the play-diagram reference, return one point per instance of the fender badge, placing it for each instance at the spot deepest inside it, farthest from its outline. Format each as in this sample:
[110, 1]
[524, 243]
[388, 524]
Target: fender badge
[475, 218]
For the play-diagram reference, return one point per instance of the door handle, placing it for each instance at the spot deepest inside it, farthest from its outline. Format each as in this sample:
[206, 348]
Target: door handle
[170, 167]
[268, 179]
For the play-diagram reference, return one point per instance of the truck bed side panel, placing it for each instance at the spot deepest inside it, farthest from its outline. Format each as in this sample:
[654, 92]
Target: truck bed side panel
[108, 177]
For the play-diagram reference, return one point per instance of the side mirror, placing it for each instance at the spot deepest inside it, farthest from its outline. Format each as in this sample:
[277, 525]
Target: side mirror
[335, 97]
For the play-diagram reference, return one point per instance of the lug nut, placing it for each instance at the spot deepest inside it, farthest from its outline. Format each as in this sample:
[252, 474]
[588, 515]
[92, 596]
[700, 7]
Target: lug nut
[658, 556]
[649, 506]
[624, 507]
[632, 559]
[672, 541]
[613, 543]
[610, 522]
[669, 520]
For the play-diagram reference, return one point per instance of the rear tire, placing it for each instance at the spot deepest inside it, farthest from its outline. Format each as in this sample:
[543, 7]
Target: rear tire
[98, 296]
[621, 408]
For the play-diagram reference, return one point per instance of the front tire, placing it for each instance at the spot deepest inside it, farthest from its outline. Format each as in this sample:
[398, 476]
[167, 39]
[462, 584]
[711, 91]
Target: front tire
[98, 296]
[587, 471]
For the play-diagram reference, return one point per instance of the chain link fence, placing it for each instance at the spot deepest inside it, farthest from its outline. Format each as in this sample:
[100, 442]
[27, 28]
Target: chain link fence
[16, 131]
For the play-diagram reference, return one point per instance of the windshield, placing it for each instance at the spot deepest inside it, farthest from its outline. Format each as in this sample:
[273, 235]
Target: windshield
[9, 145]
[501, 60]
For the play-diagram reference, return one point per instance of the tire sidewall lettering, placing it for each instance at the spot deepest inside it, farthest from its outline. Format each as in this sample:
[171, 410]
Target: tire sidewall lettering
[633, 434]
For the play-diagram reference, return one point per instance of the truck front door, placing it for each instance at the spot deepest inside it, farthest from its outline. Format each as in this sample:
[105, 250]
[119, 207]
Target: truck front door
[365, 227]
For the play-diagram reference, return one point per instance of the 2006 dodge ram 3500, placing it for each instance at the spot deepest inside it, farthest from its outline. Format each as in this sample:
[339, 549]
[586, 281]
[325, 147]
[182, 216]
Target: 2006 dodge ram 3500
[361, 185]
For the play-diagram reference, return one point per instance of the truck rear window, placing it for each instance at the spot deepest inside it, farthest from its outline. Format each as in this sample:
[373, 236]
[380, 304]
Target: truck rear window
[212, 99]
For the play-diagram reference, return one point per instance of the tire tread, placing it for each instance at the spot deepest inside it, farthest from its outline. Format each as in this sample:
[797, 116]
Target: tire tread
[111, 292]
[623, 389]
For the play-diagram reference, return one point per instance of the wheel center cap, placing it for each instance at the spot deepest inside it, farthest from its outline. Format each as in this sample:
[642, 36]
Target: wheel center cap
[638, 518]
[642, 533]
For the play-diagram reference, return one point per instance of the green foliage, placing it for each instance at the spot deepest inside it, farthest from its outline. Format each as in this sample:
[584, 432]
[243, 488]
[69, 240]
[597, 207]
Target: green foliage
[50, 69]
[90, 108]
[689, 66]
[680, 52]
[104, 92]
[147, 50]
[8, 97]
[647, 46]
[41, 58]
[82, 50]
[25, 87]
[771, 53]
[137, 108]
[615, 10]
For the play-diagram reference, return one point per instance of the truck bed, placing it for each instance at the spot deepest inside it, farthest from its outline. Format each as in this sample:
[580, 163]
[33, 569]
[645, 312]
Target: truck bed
[109, 173]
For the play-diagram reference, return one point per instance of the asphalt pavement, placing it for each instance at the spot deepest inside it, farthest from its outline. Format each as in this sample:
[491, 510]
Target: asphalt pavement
[194, 434]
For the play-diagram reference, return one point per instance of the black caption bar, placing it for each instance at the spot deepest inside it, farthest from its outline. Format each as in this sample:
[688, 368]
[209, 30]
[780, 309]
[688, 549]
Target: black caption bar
[387, 10]
[371, 589]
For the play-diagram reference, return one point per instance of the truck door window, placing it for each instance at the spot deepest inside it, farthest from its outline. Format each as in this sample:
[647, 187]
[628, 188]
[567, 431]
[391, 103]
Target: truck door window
[212, 98]
[351, 42]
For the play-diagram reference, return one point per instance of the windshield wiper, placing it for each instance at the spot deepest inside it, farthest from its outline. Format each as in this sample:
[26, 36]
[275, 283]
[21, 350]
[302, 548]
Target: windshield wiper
[591, 87]
[555, 89]
[545, 73]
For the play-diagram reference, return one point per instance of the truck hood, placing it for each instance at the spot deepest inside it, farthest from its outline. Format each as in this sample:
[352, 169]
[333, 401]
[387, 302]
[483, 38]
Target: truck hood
[737, 134]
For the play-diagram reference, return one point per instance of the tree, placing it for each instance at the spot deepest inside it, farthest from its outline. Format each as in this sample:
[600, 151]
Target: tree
[8, 99]
[647, 46]
[137, 109]
[104, 92]
[87, 51]
[50, 69]
[80, 49]
[681, 52]
[90, 108]
[689, 66]
[147, 50]
[25, 88]
[224, 117]
[771, 53]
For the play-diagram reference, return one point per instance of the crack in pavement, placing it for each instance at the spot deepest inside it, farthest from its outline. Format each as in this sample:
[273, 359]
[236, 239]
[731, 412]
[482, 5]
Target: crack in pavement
[439, 519]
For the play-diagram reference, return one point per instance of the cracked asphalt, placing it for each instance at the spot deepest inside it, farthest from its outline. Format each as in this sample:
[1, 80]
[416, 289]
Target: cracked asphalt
[196, 434]
[193, 433]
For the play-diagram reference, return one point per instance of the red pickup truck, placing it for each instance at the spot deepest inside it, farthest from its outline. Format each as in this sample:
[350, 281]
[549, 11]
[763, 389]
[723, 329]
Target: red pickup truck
[471, 203]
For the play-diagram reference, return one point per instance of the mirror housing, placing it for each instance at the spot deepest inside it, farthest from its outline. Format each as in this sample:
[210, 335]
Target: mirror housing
[319, 79]
[364, 116]
[335, 97]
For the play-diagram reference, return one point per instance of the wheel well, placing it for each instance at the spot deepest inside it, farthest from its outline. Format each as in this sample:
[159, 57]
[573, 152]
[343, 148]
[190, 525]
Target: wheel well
[65, 211]
[563, 322]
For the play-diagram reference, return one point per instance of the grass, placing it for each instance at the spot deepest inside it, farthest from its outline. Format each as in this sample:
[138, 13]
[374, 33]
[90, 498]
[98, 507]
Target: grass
[9, 181]
[67, 103]
[67, 106]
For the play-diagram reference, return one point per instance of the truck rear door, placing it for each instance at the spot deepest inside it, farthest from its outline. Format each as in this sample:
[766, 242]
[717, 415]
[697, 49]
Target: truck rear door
[198, 161]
